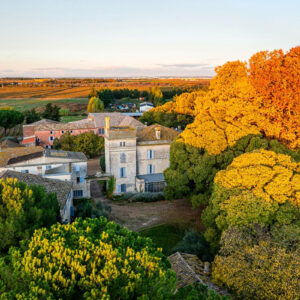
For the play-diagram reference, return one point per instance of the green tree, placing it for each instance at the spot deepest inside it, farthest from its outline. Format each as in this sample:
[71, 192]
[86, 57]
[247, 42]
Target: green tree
[95, 105]
[89, 143]
[10, 118]
[106, 95]
[88, 259]
[51, 112]
[65, 142]
[111, 185]
[31, 116]
[23, 209]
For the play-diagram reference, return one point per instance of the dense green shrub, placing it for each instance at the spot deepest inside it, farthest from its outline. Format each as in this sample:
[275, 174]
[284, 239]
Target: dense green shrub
[194, 243]
[197, 291]
[86, 208]
[102, 163]
[147, 197]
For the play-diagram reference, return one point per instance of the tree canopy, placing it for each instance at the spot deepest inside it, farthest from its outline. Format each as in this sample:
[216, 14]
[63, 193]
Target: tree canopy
[51, 112]
[88, 259]
[23, 209]
[95, 105]
[10, 118]
[89, 143]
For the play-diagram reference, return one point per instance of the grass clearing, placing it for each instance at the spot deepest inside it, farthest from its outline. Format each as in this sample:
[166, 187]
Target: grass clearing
[66, 119]
[164, 236]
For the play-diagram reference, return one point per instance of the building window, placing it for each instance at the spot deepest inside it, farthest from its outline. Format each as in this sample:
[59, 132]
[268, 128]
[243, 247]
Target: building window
[122, 188]
[78, 179]
[71, 131]
[48, 167]
[24, 171]
[150, 169]
[122, 144]
[62, 131]
[51, 132]
[150, 154]
[78, 193]
[101, 130]
[122, 172]
[122, 158]
[51, 138]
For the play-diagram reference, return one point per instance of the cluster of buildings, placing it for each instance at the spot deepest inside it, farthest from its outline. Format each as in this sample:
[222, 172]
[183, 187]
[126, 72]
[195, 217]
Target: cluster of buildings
[135, 154]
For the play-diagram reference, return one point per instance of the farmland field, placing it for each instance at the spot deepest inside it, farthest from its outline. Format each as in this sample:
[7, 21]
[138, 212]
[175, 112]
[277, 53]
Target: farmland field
[29, 103]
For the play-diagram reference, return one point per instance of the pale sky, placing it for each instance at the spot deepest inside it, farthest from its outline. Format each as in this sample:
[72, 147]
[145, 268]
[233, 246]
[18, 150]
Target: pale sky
[96, 38]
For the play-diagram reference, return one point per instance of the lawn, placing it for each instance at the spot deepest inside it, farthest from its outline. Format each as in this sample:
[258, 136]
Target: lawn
[164, 236]
[66, 119]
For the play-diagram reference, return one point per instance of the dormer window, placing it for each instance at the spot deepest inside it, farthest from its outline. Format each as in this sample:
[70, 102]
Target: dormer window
[122, 144]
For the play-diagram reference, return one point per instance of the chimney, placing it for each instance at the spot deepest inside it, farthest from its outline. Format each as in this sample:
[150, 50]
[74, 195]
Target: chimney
[107, 123]
[157, 133]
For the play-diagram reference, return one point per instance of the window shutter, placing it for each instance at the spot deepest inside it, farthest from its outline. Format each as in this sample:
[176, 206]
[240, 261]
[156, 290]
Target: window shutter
[119, 188]
[148, 169]
[148, 154]
[153, 169]
[124, 172]
[152, 154]
[121, 173]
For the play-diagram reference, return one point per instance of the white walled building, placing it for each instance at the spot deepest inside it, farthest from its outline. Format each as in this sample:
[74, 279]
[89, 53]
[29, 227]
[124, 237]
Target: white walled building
[53, 164]
[137, 158]
[146, 106]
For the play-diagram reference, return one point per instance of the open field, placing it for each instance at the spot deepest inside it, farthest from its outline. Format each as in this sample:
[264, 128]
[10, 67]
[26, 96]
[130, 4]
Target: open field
[29, 103]
[80, 88]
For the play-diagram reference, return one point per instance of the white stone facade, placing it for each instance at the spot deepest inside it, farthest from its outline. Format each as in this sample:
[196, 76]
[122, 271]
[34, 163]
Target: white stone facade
[132, 160]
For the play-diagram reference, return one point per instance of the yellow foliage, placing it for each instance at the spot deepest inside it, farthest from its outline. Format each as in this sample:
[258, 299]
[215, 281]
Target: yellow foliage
[267, 175]
[183, 104]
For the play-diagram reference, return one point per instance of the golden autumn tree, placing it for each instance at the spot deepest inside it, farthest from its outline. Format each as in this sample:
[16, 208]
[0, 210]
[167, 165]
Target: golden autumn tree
[261, 187]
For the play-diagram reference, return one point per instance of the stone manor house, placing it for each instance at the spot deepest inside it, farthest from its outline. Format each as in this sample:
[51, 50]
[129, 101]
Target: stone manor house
[137, 157]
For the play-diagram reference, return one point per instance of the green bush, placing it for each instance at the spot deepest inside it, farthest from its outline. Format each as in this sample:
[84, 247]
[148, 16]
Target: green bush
[197, 291]
[64, 112]
[86, 208]
[147, 197]
[194, 243]
[102, 163]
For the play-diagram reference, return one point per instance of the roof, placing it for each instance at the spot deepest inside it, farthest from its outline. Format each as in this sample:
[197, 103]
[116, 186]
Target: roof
[61, 188]
[94, 120]
[81, 124]
[40, 122]
[116, 119]
[189, 269]
[65, 154]
[17, 154]
[148, 133]
[152, 177]
[146, 103]
[9, 144]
